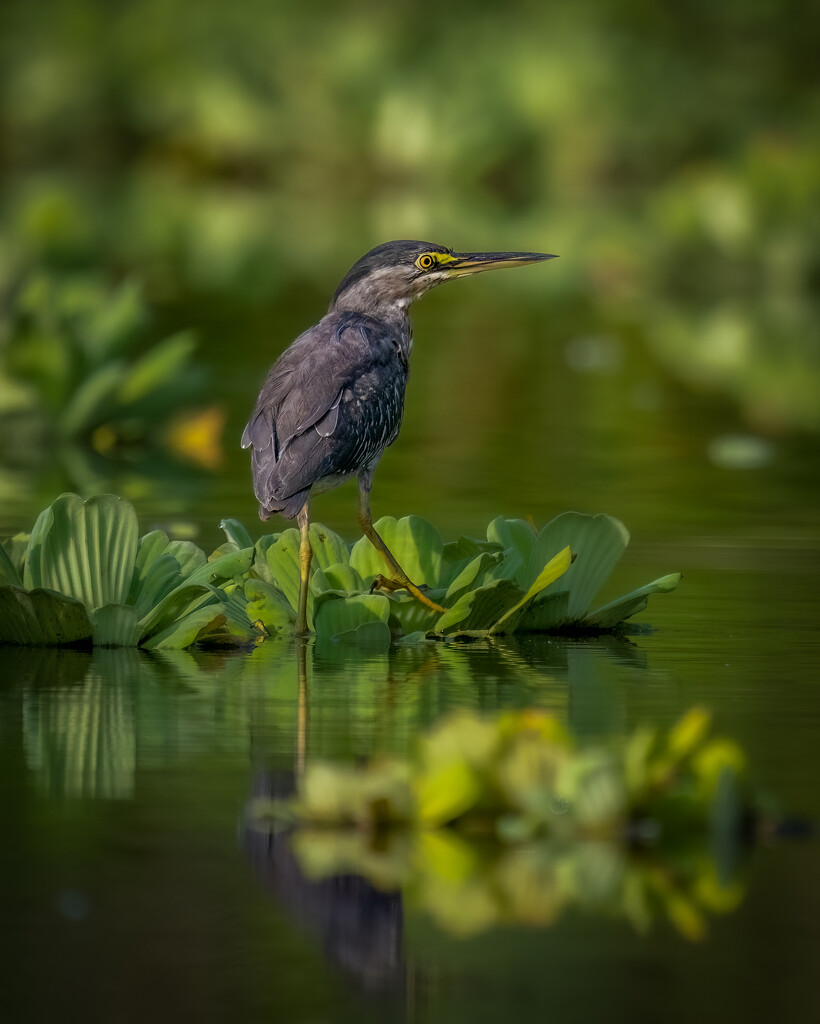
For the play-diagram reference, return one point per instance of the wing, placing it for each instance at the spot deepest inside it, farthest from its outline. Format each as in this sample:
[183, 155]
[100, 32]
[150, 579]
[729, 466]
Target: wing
[332, 401]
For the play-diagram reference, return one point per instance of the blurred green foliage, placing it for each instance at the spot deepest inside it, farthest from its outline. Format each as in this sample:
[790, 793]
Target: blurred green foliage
[669, 151]
[72, 359]
[508, 819]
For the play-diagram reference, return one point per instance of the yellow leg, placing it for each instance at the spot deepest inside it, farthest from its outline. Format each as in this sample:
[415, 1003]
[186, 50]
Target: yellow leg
[398, 578]
[303, 708]
[305, 556]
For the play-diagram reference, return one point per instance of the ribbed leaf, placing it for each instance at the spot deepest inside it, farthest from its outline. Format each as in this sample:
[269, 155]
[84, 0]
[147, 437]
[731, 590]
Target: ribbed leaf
[8, 572]
[182, 600]
[516, 534]
[415, 544]
[457, 554]
[84, 549]
[283, 562]
[335, 616]
[269, 606]
[369, 636]
[232, 566]
[41, 618]
[546, 612]
[115, 625]
[597, 543]
[339, 577]
[410, 615]
[471, 576]
[622, 608]
[480, 609]
[328, 547]
[186, 629]
[552, 571]
[236, 532]
[16, 548]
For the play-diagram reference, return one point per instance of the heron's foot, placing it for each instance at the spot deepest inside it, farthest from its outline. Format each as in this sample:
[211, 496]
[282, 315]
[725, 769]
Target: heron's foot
[392, 584]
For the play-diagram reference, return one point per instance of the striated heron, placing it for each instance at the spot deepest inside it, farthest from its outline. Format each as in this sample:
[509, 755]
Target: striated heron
[333, 401]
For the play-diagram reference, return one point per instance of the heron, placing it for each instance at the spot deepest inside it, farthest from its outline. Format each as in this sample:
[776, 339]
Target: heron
[334, 400]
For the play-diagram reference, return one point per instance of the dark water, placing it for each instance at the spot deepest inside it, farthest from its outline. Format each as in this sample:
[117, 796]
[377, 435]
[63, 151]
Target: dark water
[131, 884]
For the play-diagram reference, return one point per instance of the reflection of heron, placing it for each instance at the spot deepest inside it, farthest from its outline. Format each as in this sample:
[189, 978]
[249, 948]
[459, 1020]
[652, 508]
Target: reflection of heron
[360, 926]
[334, 400]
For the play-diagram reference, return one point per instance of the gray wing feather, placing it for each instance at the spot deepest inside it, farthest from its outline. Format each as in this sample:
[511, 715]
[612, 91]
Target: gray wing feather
[301, 428]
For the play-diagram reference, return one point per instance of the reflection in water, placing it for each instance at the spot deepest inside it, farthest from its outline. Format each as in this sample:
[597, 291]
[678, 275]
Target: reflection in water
[358, 925]
[80, 735]
[93, 719]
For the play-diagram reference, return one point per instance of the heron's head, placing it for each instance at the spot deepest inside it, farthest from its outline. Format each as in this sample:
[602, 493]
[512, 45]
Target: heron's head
[396, 273]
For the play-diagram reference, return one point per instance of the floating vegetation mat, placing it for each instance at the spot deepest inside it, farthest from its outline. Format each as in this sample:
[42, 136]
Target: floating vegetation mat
[85, 576]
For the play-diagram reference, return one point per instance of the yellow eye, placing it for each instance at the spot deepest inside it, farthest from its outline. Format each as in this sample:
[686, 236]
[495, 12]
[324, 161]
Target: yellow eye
[426, 261]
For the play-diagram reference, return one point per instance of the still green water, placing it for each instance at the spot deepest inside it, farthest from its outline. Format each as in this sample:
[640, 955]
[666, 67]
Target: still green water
[132, 886]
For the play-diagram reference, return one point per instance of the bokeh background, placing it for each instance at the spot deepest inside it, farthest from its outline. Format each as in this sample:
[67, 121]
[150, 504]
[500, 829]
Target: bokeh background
[193, 180]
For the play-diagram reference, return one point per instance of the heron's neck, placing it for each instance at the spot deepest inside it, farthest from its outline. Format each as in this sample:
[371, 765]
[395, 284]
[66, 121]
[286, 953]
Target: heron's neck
[383, 307]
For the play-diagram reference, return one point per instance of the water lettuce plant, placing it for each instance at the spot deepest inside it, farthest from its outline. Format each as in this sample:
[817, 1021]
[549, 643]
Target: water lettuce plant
[84, 576]
[513, 580]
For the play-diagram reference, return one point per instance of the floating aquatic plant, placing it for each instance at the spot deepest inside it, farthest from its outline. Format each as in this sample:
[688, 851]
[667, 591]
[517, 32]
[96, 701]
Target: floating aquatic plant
[85, 576]
[514, 580]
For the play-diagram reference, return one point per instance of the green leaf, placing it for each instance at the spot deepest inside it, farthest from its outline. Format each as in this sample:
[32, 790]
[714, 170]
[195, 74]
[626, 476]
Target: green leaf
[516, 534]
[283, 562]
[552, 571]
[471, 576]
[334, 616]
[16, 548]
[84, 549]
[183, 599]
[370, 636]
[328, 547]
[597, 543]
[458, 553]
[41, 618]
[232, 566]
[116, 625]
[8, 572]
[622, 608]
[186, 629]
[269, 606]
[341, 578]
[114, 321]
[236, 532]
[415, 544]
[92, 401]
[409, 615]
[480, 609]
[161, 363]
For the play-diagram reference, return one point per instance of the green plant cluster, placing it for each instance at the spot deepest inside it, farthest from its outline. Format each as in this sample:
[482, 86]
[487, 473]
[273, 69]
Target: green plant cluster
[73, 358]
[84, 575]
[514, 580]
[508, 819]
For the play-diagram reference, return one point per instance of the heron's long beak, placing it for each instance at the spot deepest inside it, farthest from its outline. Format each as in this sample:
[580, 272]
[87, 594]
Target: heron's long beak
[464, 263]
